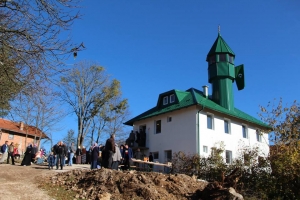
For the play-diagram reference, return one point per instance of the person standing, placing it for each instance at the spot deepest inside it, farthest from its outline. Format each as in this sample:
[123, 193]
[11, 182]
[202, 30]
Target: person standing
[89, 154]
[150, 160]
[109, 151]
[78, 155]
[4, 151]
[94, 156]
[72, 151]
[116, 158]
[33, 152]
[51, 160]
[61, 153]
[127, 155]
[11, 154]
[27, 157]
[83, 155]
[54, 149]
[139, 156]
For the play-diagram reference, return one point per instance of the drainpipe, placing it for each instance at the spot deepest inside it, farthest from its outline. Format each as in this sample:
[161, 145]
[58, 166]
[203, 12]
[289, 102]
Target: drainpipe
[198, 130]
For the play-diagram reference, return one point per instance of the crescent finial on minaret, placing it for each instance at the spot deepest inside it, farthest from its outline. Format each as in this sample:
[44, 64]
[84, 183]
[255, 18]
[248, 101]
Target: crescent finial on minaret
[219, 29]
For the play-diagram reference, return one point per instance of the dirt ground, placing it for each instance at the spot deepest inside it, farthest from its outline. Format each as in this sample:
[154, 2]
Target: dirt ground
[111, 184]
[20, 182]
[25, 182]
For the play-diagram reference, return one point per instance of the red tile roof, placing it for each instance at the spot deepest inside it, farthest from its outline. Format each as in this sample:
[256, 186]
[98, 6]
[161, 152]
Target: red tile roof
[15, 127]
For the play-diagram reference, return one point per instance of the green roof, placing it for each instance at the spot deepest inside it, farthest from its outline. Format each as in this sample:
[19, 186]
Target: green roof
[220, 46]
[189, 98]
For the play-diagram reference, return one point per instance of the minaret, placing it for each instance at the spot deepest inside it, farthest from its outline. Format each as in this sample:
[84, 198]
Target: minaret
[221, 72]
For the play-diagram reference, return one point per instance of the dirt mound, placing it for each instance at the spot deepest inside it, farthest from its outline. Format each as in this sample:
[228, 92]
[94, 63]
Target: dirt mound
[112, 184]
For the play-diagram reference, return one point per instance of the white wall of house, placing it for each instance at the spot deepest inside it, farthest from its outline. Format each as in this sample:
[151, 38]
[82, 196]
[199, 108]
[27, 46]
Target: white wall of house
[234, 140]
[176, 135]
[180, 134]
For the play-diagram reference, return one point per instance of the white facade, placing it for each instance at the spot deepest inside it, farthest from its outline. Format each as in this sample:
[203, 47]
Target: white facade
[181, 132]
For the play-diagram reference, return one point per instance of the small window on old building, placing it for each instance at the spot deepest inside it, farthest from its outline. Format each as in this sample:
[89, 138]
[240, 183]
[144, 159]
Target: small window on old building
[228, 157]
[258, 136]
[158, 126]
[172, 98]
[11, 136]
[226, 126]
[210, 122]
[165, 100]
[244, 130]
[169, 119]
[205, 149]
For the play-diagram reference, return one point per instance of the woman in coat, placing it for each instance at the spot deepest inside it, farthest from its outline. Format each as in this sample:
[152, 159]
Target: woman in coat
[27, 156]
[116, 158]
[94, 156]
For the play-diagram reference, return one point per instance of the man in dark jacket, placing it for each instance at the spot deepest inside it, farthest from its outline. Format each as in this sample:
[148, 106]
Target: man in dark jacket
[127, 155]
[61, 153]
[110, 149]
[54, 149]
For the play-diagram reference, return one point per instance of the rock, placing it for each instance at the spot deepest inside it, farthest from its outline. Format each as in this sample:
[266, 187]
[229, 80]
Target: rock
[194, 178]
[234, 195]
[104, 196]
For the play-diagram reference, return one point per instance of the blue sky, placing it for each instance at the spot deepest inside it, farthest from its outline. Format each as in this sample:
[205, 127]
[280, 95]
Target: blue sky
[153, 46]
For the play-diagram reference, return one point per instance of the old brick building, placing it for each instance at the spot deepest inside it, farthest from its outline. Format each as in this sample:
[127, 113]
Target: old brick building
[16, 132]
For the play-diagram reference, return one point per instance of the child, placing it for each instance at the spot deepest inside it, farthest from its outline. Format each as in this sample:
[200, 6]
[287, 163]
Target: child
[51, 160]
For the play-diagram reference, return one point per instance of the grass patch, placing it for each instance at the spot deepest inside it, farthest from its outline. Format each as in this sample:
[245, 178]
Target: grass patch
[57, 192]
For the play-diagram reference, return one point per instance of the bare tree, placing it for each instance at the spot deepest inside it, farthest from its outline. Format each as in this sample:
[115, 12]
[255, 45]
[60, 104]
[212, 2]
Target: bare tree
[87, 88]
[23, 112]
[31, 46]
[40, 108]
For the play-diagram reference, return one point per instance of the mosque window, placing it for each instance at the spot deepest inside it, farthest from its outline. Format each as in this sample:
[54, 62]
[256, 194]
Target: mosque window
[222, 57]
[231, 59]
[212, 59]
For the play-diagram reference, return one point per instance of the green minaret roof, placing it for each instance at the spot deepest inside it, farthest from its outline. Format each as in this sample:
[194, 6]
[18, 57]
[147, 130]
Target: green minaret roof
[220, 46]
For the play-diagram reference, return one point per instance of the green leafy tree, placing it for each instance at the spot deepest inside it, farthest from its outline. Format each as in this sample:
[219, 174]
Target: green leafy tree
[285, 153]
[110, 119]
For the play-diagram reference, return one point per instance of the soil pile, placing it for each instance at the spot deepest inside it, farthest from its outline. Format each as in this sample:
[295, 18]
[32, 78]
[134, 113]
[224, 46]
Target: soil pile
[112, 184]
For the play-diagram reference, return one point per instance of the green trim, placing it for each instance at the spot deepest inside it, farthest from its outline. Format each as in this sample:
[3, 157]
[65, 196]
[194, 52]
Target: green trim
[192, 97]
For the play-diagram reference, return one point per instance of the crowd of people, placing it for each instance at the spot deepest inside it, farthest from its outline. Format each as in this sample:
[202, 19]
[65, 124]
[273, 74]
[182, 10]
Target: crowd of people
[110, 156]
